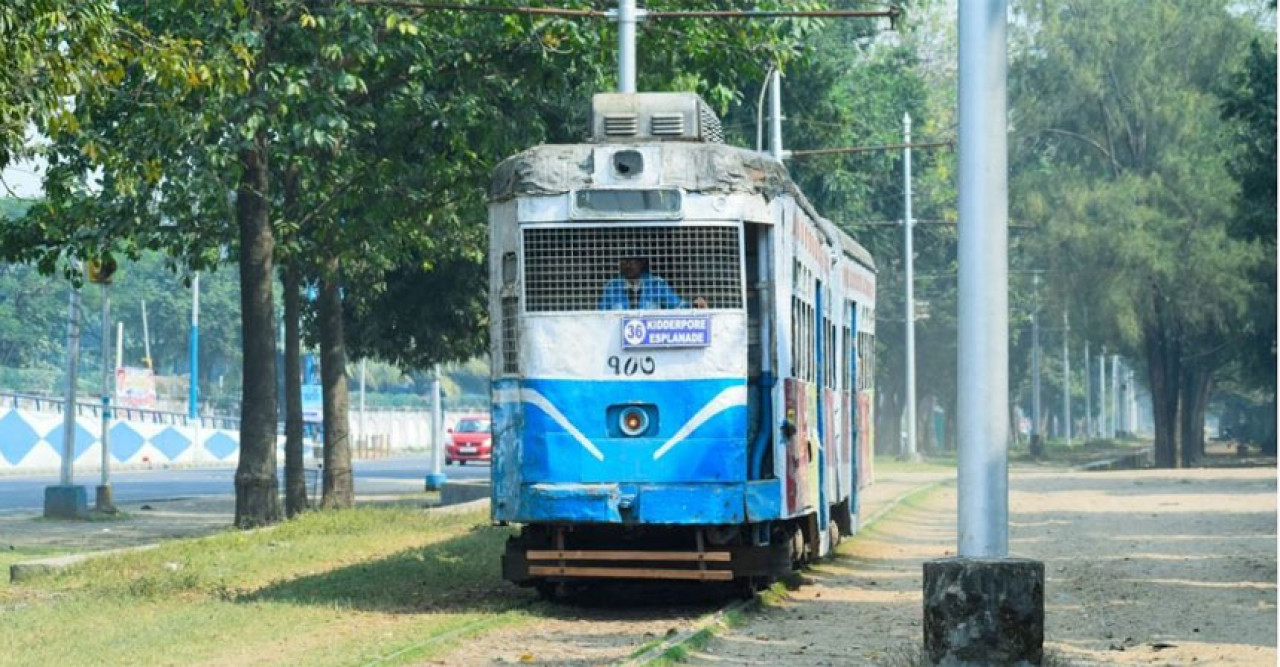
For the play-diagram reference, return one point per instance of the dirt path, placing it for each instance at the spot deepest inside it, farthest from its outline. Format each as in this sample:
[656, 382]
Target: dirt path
[612, 625]
[1143, 567]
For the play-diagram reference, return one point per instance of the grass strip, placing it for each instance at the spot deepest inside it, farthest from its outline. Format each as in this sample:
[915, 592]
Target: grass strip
[327, 588]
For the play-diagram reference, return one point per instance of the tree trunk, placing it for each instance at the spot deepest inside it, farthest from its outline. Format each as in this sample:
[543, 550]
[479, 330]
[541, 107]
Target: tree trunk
[1162, 375]
[295, 482]
[1193, 397]
[338, 485]
[257, 487]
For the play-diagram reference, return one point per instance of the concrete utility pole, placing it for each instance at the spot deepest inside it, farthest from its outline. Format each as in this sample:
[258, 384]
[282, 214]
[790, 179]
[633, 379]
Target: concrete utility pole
[146, 336]
[627, 17]
[775, 115]
[1088, 395]
[908, 257]
[360, 420]
[102, 497]
[1133, 402]
[1003, 622]
[1102, 394]
[193, 393]
[1115, 396]
[1037, 434]
[436, 479]
[67, 501]
[1066, 377]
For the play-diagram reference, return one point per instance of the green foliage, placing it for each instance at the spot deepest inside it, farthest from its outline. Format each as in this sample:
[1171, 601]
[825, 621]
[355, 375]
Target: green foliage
[33, 320]
[851, 88]
[1122, 162]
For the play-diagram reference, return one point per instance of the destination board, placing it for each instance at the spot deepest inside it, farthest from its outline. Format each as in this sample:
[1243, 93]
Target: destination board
[666, 331]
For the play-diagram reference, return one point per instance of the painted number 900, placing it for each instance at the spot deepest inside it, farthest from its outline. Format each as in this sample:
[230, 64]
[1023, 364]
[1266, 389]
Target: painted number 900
[632, 365]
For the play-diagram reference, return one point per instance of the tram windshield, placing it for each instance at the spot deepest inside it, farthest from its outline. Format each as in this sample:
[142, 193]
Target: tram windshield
[632, 267]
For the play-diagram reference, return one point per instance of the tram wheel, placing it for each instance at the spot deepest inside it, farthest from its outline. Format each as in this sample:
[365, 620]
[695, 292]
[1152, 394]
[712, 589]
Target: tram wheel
[549, 591]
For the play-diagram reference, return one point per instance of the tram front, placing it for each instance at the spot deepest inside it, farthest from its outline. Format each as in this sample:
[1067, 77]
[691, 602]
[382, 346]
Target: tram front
[620, 342]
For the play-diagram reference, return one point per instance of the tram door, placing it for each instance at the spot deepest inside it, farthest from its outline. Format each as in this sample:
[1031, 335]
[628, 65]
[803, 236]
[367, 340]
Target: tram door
[759, 378]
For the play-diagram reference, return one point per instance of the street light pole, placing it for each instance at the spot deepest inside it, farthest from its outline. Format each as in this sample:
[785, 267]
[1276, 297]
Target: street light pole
[1088, 395]
[436, 479]
[103, 496]
[1115, 396]
[67, 501]
[69, 407]
[908, 256]
[1037, 435]
[1102, 394]
[193, 392]
[1066, 377]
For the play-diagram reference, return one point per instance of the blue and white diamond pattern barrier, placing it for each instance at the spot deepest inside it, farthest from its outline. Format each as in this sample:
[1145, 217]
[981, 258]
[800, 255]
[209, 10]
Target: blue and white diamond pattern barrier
[32, 440]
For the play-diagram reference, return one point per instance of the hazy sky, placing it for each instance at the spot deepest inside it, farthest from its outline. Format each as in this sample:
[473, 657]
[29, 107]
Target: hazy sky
[21, 180]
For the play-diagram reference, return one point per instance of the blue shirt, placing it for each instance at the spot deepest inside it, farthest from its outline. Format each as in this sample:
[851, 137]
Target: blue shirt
[654, 293]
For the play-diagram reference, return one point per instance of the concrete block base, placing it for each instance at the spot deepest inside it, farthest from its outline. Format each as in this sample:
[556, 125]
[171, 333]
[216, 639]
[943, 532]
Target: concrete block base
[103, 500]
[984, 611]
[464, 492]
[435, 481]
[66, 502]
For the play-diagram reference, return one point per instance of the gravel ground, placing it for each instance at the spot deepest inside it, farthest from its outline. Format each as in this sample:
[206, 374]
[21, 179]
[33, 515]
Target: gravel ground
[1143, 567]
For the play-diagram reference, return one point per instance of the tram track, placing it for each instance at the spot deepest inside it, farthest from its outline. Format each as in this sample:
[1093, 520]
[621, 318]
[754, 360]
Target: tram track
[677, 645]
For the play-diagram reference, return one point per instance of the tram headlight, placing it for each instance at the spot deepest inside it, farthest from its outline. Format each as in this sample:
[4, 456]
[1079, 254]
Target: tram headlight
[633, 421]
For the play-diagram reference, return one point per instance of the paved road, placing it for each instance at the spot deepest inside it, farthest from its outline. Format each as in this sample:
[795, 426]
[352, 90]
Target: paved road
[386, 476]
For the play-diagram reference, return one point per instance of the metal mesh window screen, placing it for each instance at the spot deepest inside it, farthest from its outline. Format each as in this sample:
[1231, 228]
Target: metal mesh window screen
[569, 269]
[510, 334]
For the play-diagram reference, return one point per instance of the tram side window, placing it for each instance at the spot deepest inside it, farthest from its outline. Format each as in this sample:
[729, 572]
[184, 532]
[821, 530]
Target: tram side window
[831, 355]
[846, 358]
[795, 336]
[810, 336]
[866, 360]
[510, 334]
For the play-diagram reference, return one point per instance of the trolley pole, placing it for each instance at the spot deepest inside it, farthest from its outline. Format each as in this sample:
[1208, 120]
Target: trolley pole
[67, 501]
[908, 258]
[1000, 624]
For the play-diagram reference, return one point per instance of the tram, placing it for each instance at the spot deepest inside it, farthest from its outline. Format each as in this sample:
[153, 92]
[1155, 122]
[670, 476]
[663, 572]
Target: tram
[682, 356]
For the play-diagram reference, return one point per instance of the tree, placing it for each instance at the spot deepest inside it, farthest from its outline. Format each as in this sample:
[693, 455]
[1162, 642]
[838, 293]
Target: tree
[852, 88]
[1120, 160]
[392, 120]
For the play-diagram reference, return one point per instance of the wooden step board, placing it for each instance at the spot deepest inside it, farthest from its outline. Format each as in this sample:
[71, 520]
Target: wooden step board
[692, 557]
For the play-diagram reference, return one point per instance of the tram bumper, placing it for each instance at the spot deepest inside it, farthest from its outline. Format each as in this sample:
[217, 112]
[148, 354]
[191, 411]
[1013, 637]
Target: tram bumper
[619, 503]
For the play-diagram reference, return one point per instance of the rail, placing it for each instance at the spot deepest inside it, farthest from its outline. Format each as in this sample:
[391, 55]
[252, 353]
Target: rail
[40, 403]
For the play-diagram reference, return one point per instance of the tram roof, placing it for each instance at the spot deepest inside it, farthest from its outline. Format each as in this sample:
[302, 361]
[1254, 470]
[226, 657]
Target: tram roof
[552, 169]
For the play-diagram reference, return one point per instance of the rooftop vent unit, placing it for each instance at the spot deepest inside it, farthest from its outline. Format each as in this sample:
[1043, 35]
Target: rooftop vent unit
[620, 117]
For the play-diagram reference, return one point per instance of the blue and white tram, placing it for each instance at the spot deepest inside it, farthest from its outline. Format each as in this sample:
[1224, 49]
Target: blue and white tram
[681, 353]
